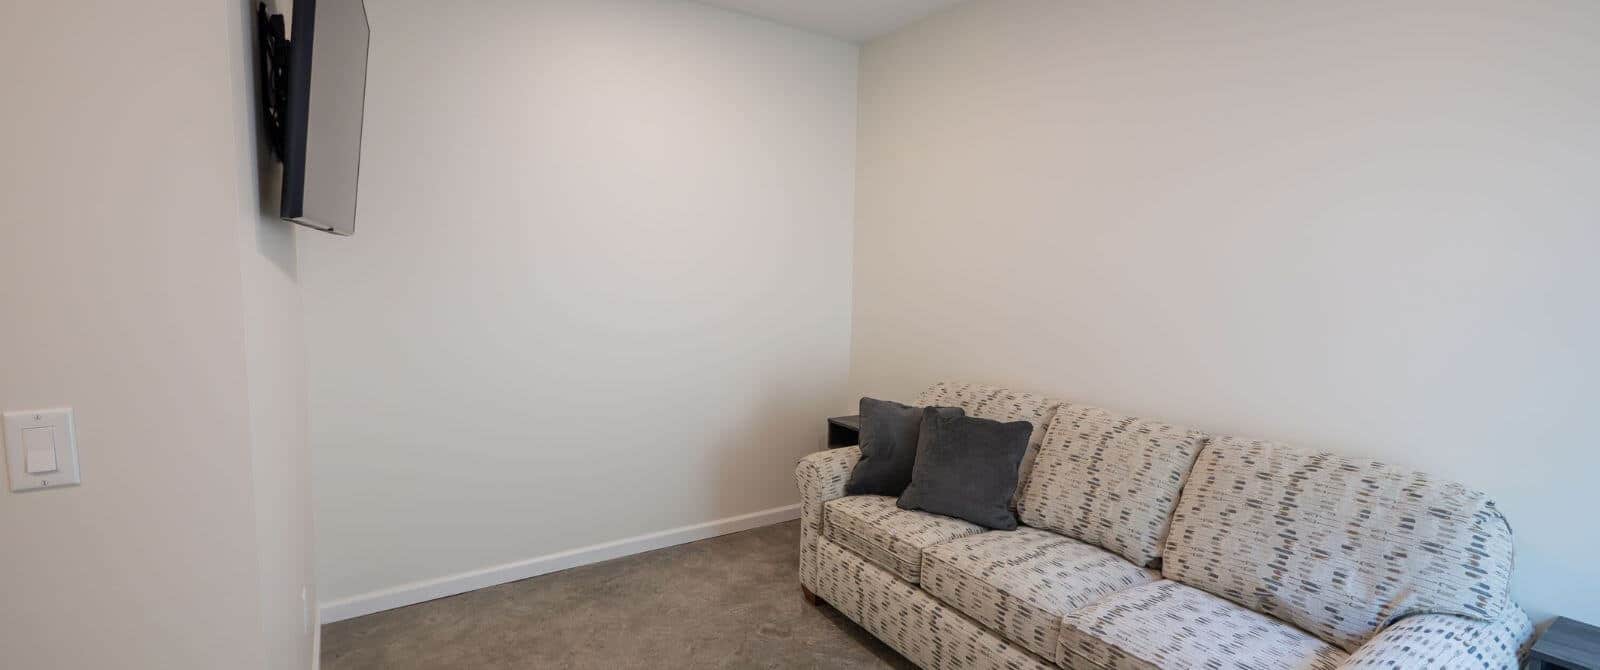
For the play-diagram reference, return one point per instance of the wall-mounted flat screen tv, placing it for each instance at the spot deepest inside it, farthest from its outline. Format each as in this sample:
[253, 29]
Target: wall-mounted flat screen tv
[315, 83]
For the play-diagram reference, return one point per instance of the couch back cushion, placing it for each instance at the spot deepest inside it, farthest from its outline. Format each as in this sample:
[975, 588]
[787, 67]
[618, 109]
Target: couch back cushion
[1110, 480]
[1340, 547]
[993, 402]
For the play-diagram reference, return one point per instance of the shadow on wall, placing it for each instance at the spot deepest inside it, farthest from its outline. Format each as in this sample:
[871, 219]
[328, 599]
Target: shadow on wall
[274, 237]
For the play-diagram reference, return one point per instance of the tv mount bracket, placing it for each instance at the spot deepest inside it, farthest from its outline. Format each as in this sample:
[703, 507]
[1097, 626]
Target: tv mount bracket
[274, 76]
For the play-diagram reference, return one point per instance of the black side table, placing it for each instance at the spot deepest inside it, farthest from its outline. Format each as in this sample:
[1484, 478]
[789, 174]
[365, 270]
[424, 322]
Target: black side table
[1566, 645]
[844, 431]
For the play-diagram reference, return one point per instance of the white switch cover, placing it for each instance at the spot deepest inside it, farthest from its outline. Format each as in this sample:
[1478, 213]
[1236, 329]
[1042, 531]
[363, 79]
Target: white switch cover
[40, 444]
[41, 449]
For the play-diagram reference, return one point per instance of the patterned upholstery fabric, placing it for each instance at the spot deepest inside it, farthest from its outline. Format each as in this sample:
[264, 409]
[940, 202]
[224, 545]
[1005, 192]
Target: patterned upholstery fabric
[932, 635]
[1337, 546]
[894, 538]
[1343, 548]
[1020, 583]
[1169, 626]
[821, 477]
[1448, 642]
[990, 402]
[1109, 480]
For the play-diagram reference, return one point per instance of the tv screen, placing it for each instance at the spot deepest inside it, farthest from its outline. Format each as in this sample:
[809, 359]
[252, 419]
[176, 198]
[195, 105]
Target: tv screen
[326, 82]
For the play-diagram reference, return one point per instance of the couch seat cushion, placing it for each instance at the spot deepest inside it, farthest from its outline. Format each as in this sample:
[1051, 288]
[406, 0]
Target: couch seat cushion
[1168, 626]
[1019, 583]
[893, 538]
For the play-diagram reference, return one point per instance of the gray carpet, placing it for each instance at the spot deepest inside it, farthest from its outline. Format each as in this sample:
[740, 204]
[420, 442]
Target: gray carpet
[727, 602]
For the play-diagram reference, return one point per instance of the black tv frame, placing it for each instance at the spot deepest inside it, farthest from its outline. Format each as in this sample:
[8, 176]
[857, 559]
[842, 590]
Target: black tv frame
[286, 98]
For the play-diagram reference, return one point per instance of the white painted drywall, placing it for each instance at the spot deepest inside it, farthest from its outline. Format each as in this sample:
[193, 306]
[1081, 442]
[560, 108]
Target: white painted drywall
[600, 286]
[140, 285]
[851, 20]
[275, 364]
[1367, 227]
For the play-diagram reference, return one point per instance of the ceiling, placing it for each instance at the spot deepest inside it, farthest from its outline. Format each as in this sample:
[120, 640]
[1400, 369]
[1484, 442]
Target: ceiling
[850, 20]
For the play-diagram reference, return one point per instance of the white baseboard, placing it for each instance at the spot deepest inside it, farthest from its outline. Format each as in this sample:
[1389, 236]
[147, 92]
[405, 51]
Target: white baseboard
[423, 591]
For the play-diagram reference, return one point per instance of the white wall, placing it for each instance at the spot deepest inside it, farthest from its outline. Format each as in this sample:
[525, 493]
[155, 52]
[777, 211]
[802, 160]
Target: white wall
[140, 286]
[599, 287]
[1366, 227]
[275, 360]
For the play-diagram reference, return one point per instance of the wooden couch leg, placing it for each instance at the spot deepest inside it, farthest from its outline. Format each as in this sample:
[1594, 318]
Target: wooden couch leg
[810, 598]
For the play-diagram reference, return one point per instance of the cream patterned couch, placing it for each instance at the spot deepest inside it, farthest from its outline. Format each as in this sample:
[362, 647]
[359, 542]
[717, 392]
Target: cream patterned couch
[1147, 545]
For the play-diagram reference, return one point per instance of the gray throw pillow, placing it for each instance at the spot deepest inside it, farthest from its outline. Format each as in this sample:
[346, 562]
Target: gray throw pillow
[967, 468]
[889, 434]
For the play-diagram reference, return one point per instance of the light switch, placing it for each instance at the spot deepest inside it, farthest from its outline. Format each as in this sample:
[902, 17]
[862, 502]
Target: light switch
[41, 449]
[41, 446]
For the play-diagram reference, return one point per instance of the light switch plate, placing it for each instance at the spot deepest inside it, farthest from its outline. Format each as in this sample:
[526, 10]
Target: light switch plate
[58, 423]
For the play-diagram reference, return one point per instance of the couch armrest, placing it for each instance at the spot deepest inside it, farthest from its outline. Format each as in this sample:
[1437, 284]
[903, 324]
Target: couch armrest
[1448, 641]
[821, 477]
